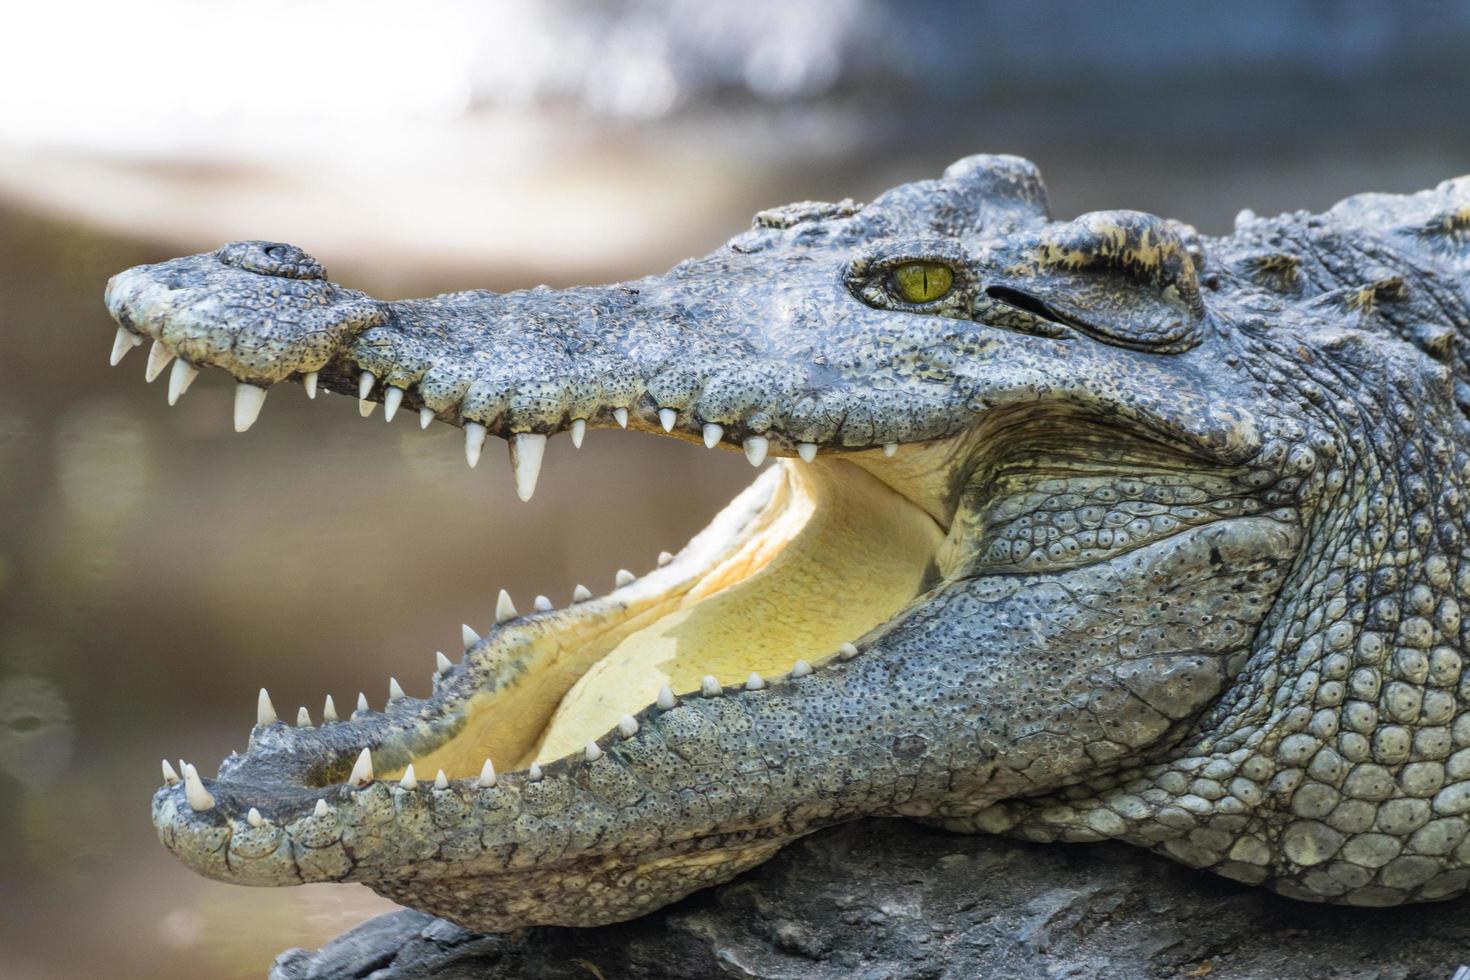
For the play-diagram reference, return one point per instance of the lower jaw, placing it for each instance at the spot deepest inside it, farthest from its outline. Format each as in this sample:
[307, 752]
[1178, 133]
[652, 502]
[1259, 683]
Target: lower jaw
[809, 557]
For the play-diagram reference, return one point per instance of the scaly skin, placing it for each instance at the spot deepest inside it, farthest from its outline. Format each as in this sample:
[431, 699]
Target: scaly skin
[1196, 550]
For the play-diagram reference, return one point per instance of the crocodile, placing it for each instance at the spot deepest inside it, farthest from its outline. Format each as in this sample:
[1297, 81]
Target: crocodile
[1073, 530]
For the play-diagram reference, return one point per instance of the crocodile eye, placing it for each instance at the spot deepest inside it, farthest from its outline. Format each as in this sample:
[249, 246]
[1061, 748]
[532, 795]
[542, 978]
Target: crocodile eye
[922, 282]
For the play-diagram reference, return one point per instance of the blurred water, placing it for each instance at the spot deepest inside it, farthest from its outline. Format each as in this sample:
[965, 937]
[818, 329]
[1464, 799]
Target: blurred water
[156, 568]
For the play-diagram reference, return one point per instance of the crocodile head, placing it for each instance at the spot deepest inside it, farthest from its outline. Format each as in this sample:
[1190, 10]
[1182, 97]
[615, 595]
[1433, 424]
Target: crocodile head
[1018, 564]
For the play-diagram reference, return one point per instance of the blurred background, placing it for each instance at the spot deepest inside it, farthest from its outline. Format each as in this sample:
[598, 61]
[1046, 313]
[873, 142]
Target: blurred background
[156, 568]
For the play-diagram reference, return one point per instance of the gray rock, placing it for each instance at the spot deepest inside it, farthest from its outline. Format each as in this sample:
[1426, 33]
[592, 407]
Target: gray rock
[891, 899]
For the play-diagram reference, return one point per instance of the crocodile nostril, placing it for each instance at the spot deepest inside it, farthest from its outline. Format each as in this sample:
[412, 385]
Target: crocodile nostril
[272, 259]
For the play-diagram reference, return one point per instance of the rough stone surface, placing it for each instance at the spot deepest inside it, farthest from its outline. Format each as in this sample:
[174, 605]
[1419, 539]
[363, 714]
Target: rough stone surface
[892, 899]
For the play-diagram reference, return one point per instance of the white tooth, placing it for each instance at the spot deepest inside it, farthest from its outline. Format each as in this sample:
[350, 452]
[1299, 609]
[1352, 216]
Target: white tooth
[504, 608]
[534, 773]
[592, 752]
[265, 712]
[392, 398]
[664, 558]
[329, 710]
[253, 818]
[362, 770]
[395, 690]
[194, 791]
[487, 775]
[623, 577]
[756, 448]
[365, 382]
[754, 682]
[320, 810]
[847, 651]
[581, 594]
[668, 418]
[362, 702]
[158, 358]
[303, 717]
[169, 775]
[713, 434]
[801, 669]
[408, 781]
[710, 687]
[308, 381]
[474, 441]
[666, 699]
[628, 726]
[441, 781]
[426, 415]
[469, 635]
[621, 416]
[526, 451]
[122, 343]
[579, 432]
[441, 662]
[807, 451]
[889, 448]
[542, 604]
[248, 401]
[179, 379]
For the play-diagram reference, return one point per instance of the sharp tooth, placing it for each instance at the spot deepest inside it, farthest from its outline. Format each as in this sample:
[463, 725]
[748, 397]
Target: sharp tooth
[710, 687]
[441, 781]
[713, 434]
[621, 416]
[807, 451]
[441, 662]
[469, 635]
[801, 669]
[395, 690]
[579, 432]
[365, 382]
[362, 702]
[265, 712]
[668, 418]
[889, 448]
[581, 594]
[170, 777]
[392, 398]
[534, 773]
[303, 717]
[253, 818]
[329, 710]
[526, 451]
[308, 381]
[179, 379]
[592, 752]
[504, 608]
[666, 699]
[624, 577]
[487, 775]
[158, 358]
[542, 604]
[199, 798]
[122, 343]
[628, 726]
[756, 448]
[248, 400]
[474, 441]
[408, 781]
[320, 810]
[362, 770]
[847, 651]
[754, 682]
[664, 558]
[426, 415]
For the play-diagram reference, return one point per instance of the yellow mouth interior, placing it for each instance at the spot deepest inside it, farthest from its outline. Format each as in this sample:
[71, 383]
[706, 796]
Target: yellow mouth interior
[809, 557]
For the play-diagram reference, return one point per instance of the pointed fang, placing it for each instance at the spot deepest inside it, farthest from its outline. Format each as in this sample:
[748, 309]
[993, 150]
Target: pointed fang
[170, 777]
[666, 699]
[668, 418]
[526, 452]
[248, 402]
[487, 775]
[534, 773]
[180, 377]
[441, 663]
[620, 415]
[624, 577]
[365, 382]
[303, 717]
[474, 442]
[504, 608]
[441, 781]
[754, 682]
[320, 810]
[329, 710]
[265, 712]
[426, 415]
[362, 702]
[470, 636]
[158, 358]
[756, 448]
[578, 432]
[308, 381]
[581, 593]
[713, 434]
[628, 726]
[199, 798]
[392, 398]
[121, 344]
[362, 770]
[395, 690]
[807, 451]
[409, 781]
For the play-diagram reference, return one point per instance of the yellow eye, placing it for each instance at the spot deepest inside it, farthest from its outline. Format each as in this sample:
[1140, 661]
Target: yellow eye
[922, 282]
